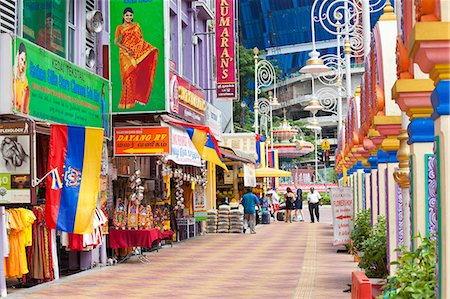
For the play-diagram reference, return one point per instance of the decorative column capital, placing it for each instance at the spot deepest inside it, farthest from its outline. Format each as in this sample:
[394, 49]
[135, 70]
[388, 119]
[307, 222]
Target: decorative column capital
[413, 96]
[421, 130]
[440, 99]
[401, 176]
[429, 44]
[373, 160]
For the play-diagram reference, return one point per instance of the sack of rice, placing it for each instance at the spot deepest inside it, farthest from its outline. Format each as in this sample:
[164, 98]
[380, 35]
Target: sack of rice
[224, 207]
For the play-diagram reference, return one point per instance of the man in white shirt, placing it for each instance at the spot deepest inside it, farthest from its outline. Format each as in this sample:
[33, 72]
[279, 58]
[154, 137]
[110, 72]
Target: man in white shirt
[274, 202]
[313, 203]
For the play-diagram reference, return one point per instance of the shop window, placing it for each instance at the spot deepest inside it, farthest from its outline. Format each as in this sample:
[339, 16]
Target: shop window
[44, 23]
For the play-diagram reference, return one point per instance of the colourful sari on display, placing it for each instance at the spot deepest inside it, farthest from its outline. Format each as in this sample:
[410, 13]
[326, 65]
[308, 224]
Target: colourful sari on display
[138, 71]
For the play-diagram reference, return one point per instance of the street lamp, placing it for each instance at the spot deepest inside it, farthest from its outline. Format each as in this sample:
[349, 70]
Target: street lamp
[342, 19]
[265, 76]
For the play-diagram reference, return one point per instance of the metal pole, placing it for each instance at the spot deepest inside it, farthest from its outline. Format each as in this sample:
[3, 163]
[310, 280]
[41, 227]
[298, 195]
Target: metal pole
[255, 106]
[315, 149]
[347, 52]
[339, 107]
[366, 25]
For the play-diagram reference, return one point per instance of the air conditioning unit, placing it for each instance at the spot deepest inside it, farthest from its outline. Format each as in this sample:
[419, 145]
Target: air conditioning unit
[90, 58]
[94, 21]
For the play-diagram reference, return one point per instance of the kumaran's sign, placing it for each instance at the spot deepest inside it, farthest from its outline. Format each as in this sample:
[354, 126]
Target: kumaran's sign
[141, 141]
[225, 49]
[186, 100]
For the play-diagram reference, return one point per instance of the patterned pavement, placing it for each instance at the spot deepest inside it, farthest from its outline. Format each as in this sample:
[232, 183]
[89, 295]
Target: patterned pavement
[293, 260]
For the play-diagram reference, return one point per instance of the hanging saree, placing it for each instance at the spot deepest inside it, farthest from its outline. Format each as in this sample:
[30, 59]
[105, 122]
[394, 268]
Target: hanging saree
[137, 70]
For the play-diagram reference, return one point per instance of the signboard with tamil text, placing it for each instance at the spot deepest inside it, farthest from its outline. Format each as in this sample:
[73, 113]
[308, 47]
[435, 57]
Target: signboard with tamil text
[141, 141]
[342, 211]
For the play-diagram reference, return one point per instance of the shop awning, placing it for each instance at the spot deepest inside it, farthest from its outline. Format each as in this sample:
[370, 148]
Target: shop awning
[267, 172]
[228, 154]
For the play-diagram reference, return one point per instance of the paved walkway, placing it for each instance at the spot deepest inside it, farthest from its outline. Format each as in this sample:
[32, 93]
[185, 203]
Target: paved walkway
[293, 260]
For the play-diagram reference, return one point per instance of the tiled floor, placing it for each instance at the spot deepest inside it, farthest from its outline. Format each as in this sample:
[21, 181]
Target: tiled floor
[294, 260]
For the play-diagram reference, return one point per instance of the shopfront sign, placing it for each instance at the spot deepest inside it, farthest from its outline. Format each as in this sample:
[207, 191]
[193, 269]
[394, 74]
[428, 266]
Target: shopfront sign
[186, 100]
[15, 162]
[249, 175]
[138, 55]
[47, 87]
[342, 211]
[200, 213]
[183, 150]
[225, 49]
[214, 120]
[243, 142]
[141, 141]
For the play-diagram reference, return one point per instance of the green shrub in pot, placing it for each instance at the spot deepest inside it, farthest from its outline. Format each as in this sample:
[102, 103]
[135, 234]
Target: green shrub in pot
[374, 260]
[361, 230]
[415, 274]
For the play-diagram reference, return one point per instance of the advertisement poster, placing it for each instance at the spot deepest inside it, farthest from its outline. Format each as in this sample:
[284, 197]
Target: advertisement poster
[342, 211]
[141, 141]
[15, 162]
[137, 56]
[200, 204]
[48, 87]
[44, 23]
[225, 50]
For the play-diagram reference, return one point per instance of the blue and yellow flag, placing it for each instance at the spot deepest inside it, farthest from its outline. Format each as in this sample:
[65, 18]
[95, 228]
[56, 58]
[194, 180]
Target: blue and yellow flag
[204, 141]
[75, 153]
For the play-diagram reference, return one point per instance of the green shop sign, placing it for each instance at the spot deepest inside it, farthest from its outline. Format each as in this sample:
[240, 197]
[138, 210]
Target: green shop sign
[137, 56]
[48, 87]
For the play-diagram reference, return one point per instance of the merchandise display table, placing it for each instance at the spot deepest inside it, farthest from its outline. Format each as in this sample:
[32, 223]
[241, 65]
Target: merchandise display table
[123, 238]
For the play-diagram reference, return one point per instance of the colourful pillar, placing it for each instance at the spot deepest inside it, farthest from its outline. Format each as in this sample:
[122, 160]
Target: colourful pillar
[373, 160]
[440, 100]
[413, 97]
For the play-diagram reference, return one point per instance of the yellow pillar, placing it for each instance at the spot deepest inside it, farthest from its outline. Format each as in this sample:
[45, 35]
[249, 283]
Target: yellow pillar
[211, 186]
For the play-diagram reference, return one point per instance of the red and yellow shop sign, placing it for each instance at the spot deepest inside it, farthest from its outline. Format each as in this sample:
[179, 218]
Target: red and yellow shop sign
[141, 141]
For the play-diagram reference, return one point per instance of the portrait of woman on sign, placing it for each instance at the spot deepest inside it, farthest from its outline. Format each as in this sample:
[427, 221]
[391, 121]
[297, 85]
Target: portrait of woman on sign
[21, 90]
[138, 61]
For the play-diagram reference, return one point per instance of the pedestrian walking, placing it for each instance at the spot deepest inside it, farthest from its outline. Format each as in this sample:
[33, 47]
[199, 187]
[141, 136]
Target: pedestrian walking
[313, 202]
[274, 202]
[298, 206]
[290, 199]
[250, 201]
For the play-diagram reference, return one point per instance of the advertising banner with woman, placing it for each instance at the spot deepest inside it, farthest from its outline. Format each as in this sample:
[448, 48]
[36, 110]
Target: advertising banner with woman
[137, 56]
[48, 87]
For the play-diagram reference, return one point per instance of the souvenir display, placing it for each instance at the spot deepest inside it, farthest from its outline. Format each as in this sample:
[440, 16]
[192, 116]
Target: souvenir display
[120, 219]
[145, 217]
[133, 215]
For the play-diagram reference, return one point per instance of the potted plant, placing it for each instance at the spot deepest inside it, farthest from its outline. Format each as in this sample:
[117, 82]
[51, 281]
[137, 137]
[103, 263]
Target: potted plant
[415, 274]
[360, 232]
[374, 261]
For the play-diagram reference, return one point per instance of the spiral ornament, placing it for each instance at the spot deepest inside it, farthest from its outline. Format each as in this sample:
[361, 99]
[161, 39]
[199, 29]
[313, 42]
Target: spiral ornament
[336, 64]
[357, 41]
[336, 17]
[265, 74]
[328, 99]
